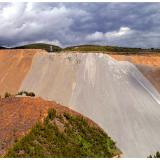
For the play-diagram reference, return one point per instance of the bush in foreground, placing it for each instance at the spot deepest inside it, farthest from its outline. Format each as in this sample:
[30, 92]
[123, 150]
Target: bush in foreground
[64, 135]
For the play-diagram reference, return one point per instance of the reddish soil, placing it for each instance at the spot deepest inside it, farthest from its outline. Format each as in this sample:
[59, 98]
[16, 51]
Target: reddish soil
[19, 114]
[147, 59]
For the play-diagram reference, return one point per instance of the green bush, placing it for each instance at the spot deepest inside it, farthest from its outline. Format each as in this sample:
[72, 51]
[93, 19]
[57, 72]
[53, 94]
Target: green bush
[78, 139]
[66, 115]
[51, 113]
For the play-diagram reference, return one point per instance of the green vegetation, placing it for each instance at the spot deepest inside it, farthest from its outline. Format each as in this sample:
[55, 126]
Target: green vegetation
[63, 135]
[98, 48]
[157, 155]
[86, 48]
[47, 47]
[31, 94]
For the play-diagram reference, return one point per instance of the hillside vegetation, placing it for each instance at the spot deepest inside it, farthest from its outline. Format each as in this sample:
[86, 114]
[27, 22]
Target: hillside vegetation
[98, 48]
[47, 47]
[85, 48]
[43, 46]
[64, 135]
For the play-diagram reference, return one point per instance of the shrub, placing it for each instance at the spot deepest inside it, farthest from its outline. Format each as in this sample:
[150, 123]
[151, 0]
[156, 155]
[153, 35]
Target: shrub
[7, 95]
[78, 140]
[157, 155]
[67, 116]
[51, 113]
[20, 93]
[31, 94]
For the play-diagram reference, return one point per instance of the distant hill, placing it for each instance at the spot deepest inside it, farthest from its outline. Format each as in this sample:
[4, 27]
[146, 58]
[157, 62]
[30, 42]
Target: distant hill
[85, 48]
[47, 47]
[2, 47]
[99, 48]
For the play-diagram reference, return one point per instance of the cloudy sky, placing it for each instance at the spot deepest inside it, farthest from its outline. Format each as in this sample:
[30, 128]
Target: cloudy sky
[65, 24]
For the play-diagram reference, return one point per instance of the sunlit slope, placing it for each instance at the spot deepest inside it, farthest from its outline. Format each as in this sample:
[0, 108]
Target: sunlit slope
[113, 94]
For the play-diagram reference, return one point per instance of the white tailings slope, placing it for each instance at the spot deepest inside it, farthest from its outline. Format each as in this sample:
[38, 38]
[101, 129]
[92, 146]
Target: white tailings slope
[113, 94]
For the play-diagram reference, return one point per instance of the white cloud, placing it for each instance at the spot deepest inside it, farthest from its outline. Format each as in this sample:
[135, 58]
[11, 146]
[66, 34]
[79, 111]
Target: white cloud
[95, 36]
[123, 31]
[26, 22]
[12, 12]
[80, 23]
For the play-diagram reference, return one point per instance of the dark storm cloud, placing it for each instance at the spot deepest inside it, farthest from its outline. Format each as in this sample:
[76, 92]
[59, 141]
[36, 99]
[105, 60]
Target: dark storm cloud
[123, 24]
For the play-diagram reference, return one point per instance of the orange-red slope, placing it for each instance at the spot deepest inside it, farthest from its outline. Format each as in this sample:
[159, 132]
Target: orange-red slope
[14, 65]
